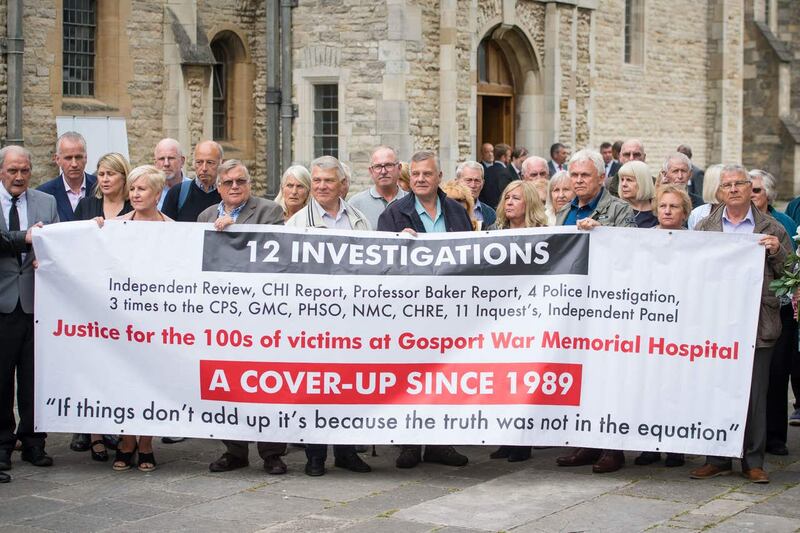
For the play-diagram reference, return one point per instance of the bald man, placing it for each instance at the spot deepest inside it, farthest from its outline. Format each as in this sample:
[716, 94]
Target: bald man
[186, 201]
[632, 150]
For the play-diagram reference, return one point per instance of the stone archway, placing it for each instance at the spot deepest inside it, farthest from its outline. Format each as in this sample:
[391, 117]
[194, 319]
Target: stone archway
[510, 103]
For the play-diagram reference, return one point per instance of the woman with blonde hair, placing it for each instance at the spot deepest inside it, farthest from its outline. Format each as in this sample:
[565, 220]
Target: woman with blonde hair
[520, 207]
[636, 187]
[110, 196]
[559, 194]
[462, 195]
[295, 190]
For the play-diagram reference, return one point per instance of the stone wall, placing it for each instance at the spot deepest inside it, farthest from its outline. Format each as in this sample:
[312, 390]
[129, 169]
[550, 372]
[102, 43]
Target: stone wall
[762, 146]
[663, 101]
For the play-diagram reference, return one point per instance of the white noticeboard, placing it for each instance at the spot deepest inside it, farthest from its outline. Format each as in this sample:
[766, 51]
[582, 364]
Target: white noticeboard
[102, 134]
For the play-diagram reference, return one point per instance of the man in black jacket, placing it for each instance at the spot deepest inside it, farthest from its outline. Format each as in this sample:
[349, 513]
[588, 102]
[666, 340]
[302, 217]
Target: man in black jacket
[426, 210]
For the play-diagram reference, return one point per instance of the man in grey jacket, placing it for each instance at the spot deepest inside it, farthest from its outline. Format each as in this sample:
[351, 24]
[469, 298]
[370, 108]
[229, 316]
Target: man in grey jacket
[593, 205]
[592, 200]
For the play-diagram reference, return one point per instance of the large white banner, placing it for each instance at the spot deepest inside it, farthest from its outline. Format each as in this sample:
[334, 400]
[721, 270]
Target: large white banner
[615, 338]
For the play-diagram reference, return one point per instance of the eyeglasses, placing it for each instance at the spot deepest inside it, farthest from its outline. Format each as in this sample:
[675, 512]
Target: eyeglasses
[230, 183]
[731, 184]
[386, 167]
[757, 190]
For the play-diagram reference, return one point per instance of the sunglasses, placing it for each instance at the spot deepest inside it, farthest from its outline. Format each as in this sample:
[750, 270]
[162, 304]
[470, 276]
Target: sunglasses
[757, 190]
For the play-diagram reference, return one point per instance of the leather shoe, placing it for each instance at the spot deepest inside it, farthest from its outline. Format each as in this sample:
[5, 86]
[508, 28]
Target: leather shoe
[708, 471]
[274, 465]
[172, 440]
[756, 475]
[315, 466]
[410, 456]
[674, 459]
[4, 478]
[647, 458]
[501, 453]
[610, 461]
[36, 456]
[579, 457]
[5, 460]
[519, 453]
[777, 448]
[228, 462]
[81, 442]
[352, 462]
[446, 455]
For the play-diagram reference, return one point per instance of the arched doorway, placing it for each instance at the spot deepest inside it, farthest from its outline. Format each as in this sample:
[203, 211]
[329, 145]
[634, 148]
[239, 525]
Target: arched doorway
[510, 97]
[496, 122]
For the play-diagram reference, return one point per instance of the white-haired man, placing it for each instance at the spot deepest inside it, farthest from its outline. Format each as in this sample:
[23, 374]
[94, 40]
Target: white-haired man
[592, 200]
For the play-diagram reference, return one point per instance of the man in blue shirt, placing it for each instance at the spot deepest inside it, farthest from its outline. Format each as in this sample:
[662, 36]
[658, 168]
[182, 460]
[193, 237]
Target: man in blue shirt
[592, 199]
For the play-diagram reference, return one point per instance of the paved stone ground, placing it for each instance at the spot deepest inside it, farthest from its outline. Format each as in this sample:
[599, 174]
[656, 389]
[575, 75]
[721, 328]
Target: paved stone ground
[536, 496]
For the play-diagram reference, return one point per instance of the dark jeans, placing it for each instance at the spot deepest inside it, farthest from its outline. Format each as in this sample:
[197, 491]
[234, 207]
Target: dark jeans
[783, 357]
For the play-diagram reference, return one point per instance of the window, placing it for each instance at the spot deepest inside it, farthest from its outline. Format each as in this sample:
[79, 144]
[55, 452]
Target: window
[220, 101]
[326, 120]
[79, 28]
[634, 32]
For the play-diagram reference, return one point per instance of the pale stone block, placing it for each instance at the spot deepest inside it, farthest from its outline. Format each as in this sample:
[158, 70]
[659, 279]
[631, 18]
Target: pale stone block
[391, 50]
[392, 116]
[394, 87]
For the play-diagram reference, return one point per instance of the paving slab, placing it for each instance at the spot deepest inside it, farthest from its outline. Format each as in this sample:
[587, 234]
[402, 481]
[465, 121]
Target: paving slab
[671, 490]
[125, 511]
[18, 509]
[722, 507]
[387, 502]
[610, 512]
[756, 523]
[388, 525]
[258, 507]
[510, 500]
[318, 524]
[184, 521]
[786, 504]
[73, 522]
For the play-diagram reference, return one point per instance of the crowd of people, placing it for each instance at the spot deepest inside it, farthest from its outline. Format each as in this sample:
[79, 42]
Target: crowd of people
[507, 189]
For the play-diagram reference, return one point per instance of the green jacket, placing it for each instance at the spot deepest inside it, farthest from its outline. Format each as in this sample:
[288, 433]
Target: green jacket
[610, 211]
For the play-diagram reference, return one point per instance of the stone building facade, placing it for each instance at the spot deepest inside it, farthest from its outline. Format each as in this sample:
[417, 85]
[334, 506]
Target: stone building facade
[720, 75]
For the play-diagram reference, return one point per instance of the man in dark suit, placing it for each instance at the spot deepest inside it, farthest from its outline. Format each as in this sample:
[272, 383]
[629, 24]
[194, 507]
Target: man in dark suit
[470, 174]
[631, 150]
[695, 184]
[612, 165]
[497, 176]
[676, 171]
[73, 183]
[558, 158]
[22, 208]
[487, 155]
[188, 199]
[518, 157]
[426, 210]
